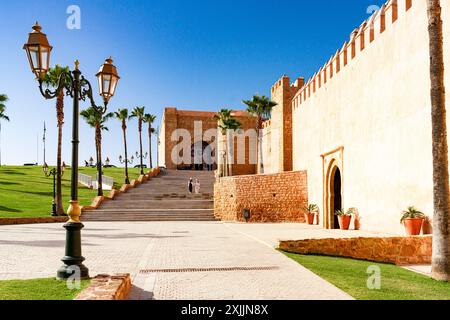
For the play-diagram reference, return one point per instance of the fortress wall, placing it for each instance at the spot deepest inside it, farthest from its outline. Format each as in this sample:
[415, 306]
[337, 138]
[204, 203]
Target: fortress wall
[373, 99]
[269, 197]
[174, 120]
[277, 132]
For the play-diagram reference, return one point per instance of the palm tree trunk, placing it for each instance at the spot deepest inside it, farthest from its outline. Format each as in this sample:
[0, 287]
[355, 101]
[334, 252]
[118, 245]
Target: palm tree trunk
[140, 147]
[260, 167]
[0, 144]
[225, 159]
[230, 160]
[98, 146]
[441, 226]
[60, 119]
[124, 129]
[150, 145]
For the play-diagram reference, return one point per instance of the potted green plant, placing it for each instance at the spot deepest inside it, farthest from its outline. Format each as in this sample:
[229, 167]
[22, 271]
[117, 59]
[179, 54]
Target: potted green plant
[412, 219]
[344, 217]
[310, 212]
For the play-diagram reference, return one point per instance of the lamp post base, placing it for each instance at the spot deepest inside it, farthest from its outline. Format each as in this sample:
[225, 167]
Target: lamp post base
[54, 213]
[80, 272]
[73, 259]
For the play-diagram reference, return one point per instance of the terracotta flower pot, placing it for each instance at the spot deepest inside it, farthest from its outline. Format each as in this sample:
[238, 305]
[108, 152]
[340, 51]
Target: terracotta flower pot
[413, 226]
[344, 222]
[310, 218]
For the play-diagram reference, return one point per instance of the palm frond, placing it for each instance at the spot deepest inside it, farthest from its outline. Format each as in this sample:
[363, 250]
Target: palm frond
[149, 118]
[137, 112]
[53, 75]
[94, 118]
[121, 114]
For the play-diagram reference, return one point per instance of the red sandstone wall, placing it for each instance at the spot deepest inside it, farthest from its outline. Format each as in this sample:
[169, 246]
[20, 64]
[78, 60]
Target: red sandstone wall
[271, 198]
[183, 119]
[282, 92]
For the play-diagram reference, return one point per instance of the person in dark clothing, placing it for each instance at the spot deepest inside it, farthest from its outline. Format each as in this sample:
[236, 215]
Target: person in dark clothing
[191, 185]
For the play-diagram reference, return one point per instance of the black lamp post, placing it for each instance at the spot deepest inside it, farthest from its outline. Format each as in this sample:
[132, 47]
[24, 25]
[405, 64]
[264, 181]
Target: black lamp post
[76, 86]
[143, 157]
[53, 172]
[127, 162]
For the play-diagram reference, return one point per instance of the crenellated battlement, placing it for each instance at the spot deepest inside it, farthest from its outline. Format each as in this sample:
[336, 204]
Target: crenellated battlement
[360, 39]
[285, 83]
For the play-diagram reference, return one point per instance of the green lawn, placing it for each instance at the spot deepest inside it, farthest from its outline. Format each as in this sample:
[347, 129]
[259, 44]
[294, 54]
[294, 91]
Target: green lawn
[38, 289]
[26, 192]
[396, 283]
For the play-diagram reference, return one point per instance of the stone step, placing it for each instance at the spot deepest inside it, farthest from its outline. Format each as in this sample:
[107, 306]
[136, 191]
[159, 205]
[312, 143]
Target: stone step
[142, 219]
[151, 211]
[159, 204]
[139, 215]
[165, 198]
[160, 196]
[168, 191]
[159, 216]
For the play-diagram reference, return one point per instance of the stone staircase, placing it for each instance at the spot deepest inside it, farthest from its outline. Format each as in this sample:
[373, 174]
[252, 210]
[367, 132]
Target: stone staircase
[164, 198]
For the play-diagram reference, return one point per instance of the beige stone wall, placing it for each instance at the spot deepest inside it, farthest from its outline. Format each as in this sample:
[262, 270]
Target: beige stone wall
[271, 198]
[372, 99]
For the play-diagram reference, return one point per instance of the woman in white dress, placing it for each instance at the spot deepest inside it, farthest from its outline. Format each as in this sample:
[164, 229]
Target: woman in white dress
[197, 186]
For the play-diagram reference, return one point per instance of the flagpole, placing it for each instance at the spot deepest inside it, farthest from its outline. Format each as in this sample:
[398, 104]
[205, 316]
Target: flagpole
[43, 139]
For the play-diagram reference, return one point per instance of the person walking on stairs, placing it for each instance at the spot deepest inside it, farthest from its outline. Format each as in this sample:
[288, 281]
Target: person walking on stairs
[191, 185]
[197, 186]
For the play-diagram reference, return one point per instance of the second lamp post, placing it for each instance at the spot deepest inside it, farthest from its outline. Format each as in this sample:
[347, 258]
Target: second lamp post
[53, 172]
[127, 162]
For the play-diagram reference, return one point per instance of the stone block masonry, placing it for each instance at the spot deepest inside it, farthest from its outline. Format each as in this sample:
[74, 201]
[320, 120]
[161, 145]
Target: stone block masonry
[106, 287]
[395, 250]
[12, 221]
[270, 198]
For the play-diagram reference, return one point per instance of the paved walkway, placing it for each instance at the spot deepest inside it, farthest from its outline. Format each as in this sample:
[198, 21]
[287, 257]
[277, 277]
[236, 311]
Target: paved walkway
[226, 261]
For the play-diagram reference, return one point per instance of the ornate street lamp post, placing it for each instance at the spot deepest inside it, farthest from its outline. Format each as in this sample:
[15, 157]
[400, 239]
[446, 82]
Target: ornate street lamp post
[143, 157]
[76, 86]
[127, 162]
[53, 172]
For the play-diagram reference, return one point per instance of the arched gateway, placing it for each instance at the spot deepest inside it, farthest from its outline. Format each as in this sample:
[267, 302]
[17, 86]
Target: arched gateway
[332, 187]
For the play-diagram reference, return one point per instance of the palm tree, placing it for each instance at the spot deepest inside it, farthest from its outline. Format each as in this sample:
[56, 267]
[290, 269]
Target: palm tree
[150, 119]
[261, 107]
[122, 115]
[441, 223]
[3, 116]
[139, 113]
[51, 79]
[97, 120]
[227, 123]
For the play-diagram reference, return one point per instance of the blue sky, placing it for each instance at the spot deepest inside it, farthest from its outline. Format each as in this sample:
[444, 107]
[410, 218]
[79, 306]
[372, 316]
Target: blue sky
[200, 55]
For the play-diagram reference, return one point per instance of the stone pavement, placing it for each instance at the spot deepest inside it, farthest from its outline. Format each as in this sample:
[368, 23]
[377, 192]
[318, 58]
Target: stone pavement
[174, 260]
